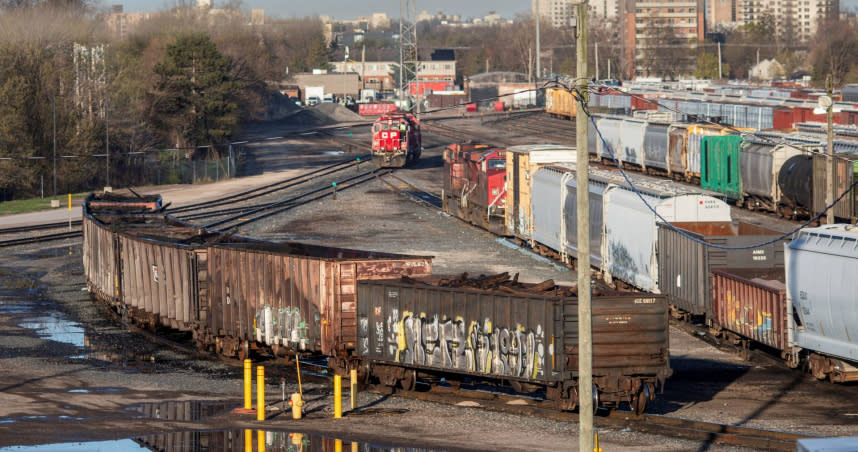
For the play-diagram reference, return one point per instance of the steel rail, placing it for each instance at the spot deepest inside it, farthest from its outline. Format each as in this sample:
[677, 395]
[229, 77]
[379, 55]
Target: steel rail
[40, 239]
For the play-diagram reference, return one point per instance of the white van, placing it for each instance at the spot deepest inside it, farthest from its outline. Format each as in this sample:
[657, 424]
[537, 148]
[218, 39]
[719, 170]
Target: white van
[328, 99]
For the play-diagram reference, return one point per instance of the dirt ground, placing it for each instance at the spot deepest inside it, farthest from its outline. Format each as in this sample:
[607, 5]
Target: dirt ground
[69, 372]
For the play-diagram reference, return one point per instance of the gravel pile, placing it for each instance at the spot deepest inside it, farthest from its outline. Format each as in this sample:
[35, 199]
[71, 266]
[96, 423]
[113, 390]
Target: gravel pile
[323, 115]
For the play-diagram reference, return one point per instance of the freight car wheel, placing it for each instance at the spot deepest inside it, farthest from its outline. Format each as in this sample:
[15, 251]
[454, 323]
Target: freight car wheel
[244, 351]
[409, 382]
[640, 400]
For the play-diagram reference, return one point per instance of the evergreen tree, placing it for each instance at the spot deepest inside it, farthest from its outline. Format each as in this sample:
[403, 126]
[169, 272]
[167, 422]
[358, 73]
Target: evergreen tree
[195, 95]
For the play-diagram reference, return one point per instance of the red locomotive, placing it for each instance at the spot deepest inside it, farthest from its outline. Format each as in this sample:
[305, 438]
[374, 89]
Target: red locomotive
[396, 139]
[474, 186]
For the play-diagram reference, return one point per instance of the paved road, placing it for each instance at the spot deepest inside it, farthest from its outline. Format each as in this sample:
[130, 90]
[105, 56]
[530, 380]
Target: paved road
[177, 195]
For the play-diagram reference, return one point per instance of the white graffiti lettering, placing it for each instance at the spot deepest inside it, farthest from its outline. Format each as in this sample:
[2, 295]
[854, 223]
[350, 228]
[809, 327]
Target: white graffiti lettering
[478, 347]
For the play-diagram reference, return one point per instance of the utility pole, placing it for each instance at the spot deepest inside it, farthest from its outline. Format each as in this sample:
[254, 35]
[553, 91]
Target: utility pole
[720, 72]
[54, 116]
[829, 151]
[596, 59]
[582, 165]
[538, 53]
[106, 130]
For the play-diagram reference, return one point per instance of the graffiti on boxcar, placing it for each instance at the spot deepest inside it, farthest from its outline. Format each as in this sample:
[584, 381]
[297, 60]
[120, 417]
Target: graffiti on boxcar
[283, 326]
[478, 347]
[291, 325]
[744, 317]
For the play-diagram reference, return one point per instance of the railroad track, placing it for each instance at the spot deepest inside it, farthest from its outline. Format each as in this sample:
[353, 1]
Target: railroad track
[711, 433]
[410, 190]
[484, 397]
[271, 188]
[41, 238]
[38, 227]
[255, 213]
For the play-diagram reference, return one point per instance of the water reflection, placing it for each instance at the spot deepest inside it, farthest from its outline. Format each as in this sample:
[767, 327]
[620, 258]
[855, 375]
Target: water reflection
[56, 328]
[262, 441]
[191, 410]
[224, 441]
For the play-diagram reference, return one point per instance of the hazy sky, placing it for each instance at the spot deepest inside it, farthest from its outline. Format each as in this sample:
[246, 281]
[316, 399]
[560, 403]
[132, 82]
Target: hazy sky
[348, 9]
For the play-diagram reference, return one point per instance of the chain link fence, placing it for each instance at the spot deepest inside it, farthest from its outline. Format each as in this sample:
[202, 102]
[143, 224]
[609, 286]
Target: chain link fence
[31, 178]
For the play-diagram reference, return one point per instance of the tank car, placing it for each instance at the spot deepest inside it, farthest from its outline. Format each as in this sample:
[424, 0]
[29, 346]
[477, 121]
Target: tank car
[396, 140]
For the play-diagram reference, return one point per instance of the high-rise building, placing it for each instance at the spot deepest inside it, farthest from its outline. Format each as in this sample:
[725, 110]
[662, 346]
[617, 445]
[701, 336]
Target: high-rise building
[257, 16]
[560, 12]
[797, 18]
[661, 36]
[557, 12]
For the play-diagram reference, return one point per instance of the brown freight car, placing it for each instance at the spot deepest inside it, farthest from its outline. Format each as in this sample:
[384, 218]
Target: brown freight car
[751, 305]
[409, 330]
[684, 265]
[231, 292]
[293, 296]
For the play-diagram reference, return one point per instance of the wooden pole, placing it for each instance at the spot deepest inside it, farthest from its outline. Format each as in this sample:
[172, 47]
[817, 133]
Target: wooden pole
[585, 342]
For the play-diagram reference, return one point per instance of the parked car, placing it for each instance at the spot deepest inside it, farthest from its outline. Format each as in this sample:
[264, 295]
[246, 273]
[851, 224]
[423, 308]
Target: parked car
[312, 100]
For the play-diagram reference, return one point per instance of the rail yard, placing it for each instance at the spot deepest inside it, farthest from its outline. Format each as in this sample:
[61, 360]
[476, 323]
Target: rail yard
[137, 330]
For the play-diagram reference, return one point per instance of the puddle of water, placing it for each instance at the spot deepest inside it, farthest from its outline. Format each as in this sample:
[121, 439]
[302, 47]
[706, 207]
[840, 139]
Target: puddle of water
[95, 390]
[97, 446]
[225, 441]
[40, 418]
[192, 410]
[56, 328]
[16, 281]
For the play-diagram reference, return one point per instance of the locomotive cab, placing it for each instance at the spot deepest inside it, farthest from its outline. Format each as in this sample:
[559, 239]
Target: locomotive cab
[396, 140]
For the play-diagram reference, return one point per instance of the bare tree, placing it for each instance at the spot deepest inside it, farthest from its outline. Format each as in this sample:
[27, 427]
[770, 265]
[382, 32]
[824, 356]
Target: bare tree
[835, 51]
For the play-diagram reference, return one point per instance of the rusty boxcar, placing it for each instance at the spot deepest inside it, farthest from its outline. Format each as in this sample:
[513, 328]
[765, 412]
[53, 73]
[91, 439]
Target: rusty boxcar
[408, 330]
[293, 296]
[232, 293]
[752, 304]
[685, 265]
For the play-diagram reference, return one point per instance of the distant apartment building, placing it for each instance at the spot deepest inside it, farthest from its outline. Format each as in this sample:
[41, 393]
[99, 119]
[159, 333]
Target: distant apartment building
[798, 18]
[376, 20]
[559, 13]
[120, 23]
[661, 35]
[720, 14]
[556, 12]
[257, 16]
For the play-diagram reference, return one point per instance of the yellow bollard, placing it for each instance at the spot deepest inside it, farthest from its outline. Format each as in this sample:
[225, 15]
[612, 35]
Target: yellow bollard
[338, 396]
[260, 393]
[248, 382]
[297, 403]
[354, 446]
[338, 445]
[353, 387]
[248, 441]
[260, 441]
[596, 447]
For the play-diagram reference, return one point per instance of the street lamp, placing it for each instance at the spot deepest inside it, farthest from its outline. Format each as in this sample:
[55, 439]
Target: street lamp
[54, 117]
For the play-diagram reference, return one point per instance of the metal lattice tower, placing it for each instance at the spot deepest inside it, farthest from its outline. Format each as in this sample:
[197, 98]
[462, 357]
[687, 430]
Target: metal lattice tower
[408, 60]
